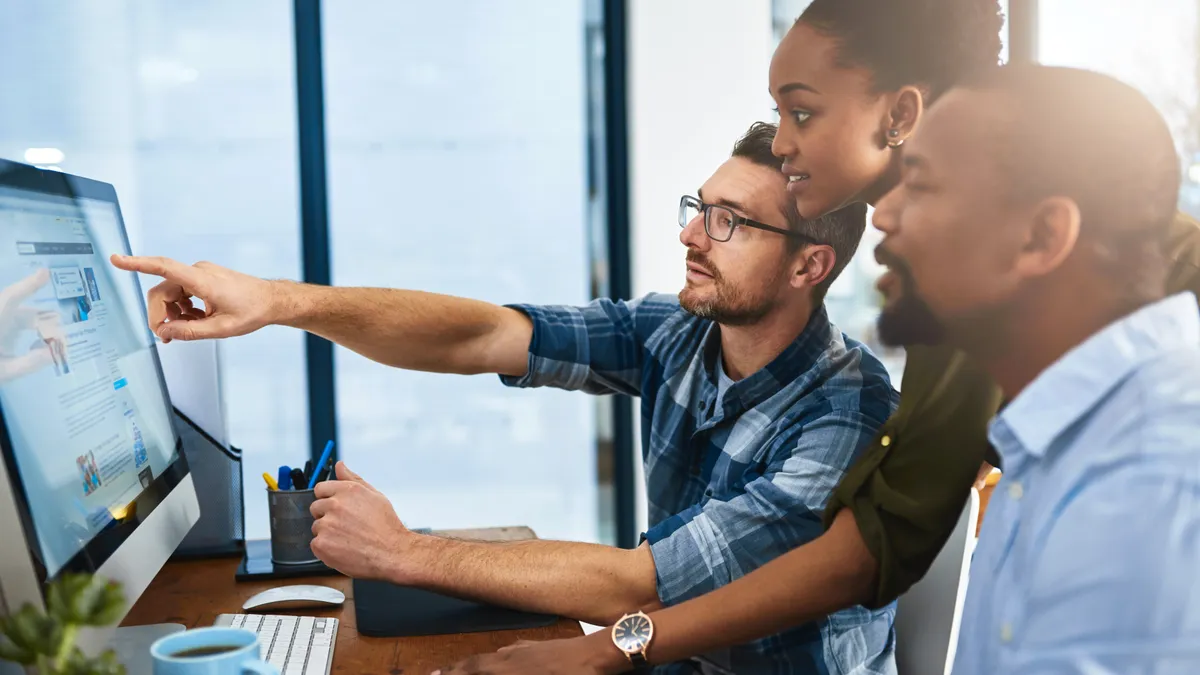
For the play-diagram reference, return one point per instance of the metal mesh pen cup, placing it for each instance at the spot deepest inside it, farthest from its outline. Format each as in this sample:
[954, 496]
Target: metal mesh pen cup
[291, 526]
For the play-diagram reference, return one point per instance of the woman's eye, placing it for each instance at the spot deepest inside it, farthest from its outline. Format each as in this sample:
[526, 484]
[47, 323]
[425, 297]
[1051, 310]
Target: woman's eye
[801, 116]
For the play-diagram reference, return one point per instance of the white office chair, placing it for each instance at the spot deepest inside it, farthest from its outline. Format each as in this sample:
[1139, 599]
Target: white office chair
[927, 615]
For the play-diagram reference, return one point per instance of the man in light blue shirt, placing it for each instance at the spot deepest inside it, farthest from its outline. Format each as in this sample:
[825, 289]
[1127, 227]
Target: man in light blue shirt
[1029, 231]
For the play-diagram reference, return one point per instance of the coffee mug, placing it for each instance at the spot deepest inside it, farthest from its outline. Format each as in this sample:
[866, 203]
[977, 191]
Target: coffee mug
[210, 651]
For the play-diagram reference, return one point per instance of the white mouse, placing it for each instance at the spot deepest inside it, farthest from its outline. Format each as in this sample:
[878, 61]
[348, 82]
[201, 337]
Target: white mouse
[295, 597]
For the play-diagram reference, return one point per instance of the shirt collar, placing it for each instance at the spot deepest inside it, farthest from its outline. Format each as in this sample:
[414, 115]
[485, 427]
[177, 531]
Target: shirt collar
[799, 357]
[1069, 388]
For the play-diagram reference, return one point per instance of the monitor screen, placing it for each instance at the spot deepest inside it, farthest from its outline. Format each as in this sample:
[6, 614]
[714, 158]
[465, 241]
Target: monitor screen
[88, 423]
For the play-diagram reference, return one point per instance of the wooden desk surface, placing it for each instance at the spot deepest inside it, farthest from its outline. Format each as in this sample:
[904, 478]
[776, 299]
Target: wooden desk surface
[193, 593]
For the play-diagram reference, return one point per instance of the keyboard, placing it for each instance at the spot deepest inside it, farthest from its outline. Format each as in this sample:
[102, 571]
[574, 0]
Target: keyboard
[296, 645]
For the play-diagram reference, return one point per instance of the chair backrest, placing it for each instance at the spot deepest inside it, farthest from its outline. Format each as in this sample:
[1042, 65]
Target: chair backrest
[927, 615]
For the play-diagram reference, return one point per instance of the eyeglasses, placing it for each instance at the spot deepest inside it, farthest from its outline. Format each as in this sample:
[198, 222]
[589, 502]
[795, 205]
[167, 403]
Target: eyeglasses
[720, 222]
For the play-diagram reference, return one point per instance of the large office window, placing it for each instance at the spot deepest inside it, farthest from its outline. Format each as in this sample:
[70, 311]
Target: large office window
[1154, 47]
[189, 110]
[458, 163]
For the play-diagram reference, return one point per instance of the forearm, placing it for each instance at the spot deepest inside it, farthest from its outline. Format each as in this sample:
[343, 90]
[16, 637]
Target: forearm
[587, 582]
[410, 329]
[831, 573]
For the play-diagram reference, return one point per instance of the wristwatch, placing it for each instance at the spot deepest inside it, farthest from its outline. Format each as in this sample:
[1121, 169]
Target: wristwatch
[632, 635]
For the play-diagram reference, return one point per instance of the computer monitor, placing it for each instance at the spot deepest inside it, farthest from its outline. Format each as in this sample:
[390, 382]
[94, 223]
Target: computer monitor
[92, 477]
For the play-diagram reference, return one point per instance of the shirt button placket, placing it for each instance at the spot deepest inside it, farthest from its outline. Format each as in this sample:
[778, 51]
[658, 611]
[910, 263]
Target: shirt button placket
[1016, 491]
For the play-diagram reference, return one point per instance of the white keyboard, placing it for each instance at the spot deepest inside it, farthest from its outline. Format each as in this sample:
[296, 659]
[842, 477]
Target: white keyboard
[296, 645]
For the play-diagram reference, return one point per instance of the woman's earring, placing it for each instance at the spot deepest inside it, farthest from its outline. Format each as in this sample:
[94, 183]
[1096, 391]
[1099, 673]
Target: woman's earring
[894, 140]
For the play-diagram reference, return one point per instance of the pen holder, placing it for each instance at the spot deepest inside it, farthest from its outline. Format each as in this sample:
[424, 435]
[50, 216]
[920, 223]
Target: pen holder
[291, 526]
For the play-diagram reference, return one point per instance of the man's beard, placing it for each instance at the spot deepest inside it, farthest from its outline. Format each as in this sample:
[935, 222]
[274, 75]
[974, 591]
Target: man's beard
[732, 306]
[907, 320]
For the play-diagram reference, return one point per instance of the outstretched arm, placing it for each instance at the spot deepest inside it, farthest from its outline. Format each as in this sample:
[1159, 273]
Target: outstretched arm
[406, 329]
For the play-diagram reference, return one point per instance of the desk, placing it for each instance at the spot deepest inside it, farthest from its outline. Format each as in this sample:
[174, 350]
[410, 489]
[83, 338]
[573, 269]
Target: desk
[193, 593]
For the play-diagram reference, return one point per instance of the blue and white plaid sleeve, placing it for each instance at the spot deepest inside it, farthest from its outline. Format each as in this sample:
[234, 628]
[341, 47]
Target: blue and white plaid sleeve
[598, 348]
[729, 536]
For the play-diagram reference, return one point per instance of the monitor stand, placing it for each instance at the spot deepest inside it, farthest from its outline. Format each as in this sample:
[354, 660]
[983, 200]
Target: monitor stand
[132, 645]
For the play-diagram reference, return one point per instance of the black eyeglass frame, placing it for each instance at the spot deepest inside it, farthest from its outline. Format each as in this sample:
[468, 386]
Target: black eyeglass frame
[687, 201]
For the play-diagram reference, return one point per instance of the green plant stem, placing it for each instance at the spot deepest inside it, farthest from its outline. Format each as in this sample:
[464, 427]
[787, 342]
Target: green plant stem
[70, 632]
[43, 665]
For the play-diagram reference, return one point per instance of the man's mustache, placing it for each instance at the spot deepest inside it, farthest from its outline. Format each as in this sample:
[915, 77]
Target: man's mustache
[895, 263]
[700, 259]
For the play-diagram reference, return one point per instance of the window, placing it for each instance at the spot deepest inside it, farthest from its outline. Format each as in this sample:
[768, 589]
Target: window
[458, 164]
[1155, 50]
[189, 110]
[459, 161]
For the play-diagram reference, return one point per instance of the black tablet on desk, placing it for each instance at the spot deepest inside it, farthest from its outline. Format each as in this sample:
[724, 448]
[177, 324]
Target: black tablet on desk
[387, 610]
[257, 565]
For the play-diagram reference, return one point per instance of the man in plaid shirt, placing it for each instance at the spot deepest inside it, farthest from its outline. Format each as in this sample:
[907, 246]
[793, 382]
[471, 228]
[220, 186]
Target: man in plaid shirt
[753, 407]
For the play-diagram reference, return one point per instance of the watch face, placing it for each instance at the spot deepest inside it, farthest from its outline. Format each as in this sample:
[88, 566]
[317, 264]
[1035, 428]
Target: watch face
[632, 633]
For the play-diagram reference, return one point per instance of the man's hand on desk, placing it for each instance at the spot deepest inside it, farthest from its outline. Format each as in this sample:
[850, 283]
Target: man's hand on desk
[357, 531]
[589, 655]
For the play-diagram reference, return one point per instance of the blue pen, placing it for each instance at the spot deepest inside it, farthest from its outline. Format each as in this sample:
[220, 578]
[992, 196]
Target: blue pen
[285, 478]
[312, 482]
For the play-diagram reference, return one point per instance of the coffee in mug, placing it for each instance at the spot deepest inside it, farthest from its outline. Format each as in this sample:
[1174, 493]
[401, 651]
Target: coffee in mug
[197, 652]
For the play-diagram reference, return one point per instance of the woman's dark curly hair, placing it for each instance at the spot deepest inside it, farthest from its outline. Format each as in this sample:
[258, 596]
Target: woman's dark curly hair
[933, 44]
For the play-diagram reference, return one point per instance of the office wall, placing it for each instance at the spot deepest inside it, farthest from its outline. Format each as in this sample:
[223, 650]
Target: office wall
[680, 53]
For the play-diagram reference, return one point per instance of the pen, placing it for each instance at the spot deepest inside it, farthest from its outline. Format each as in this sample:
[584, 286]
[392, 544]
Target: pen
[298, 480]
[271, 484]
[308, 471]
[312, 482]
[285, 478]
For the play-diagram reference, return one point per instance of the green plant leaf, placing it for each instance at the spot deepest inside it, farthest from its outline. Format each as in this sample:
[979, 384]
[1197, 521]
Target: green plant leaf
[105, 664]
[90, 601]
[111, 606]
[62, 593]
[56, 600]
[11, 652]
[35, 632]
[47, 640]
[21, 630]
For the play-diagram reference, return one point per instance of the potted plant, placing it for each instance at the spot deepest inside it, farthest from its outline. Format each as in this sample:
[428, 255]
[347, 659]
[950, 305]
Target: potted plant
[46, 641]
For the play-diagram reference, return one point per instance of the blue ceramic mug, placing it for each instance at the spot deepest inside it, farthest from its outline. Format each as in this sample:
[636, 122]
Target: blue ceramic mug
[210, 651]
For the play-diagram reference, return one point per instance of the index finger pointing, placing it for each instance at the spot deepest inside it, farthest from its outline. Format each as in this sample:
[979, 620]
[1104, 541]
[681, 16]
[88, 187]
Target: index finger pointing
[171, 270]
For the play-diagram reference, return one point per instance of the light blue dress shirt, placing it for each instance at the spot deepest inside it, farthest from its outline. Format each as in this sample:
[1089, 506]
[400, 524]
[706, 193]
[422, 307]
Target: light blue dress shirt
[1089, 558]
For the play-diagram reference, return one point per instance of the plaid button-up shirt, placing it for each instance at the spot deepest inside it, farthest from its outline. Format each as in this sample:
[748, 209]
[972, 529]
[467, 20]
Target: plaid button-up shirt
[731, 488]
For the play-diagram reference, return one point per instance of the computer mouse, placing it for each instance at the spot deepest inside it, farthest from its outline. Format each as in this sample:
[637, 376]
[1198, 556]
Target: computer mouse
[295, 597]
